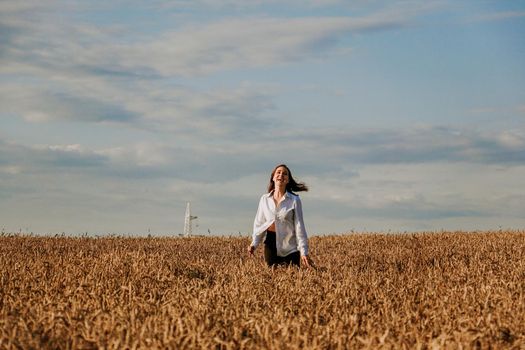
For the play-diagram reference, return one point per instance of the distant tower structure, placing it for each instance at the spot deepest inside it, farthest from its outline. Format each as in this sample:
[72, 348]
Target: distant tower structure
[188, 218]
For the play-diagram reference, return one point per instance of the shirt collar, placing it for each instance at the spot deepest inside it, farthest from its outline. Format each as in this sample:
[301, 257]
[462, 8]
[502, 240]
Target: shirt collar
[286, 194]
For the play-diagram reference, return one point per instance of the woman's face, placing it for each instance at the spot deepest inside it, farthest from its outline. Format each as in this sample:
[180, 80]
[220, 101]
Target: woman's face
[281, 177]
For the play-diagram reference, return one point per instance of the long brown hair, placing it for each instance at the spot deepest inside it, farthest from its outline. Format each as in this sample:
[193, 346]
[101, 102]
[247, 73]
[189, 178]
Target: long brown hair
[292, 186]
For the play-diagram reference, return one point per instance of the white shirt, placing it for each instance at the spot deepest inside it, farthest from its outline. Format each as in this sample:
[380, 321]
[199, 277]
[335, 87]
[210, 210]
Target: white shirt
[289, 226]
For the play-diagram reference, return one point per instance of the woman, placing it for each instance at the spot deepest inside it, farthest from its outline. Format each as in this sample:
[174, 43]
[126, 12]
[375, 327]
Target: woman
[279, 219]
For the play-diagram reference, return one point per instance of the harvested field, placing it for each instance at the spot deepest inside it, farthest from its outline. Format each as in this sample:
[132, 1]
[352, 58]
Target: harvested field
[425, 290]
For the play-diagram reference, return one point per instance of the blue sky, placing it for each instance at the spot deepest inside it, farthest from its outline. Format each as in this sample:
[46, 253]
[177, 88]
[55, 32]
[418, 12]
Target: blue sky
[399, 115]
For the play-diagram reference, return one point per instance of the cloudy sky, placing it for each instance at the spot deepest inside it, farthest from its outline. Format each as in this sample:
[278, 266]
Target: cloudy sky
[399, 115]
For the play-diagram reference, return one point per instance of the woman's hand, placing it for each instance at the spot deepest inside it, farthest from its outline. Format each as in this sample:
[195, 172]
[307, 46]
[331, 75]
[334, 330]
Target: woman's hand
[306, 261]
[251, 249]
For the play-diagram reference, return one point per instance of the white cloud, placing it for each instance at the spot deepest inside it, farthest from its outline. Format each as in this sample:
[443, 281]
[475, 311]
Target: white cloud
[11, 169]
[67, 148]
[416, 145]
[220, 111]
[150, 179]
[511, 140]
[40, 104]
[253, 42]
[419, 196]
[61, 70]
[61, 46]
[320, 153]
[497, 16]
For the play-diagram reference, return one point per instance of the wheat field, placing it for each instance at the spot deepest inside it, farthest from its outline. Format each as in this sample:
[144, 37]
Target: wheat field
[449, 290]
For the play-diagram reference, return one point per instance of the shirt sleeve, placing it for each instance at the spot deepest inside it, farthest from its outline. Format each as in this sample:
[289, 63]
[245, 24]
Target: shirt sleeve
[300, 230]
[259, 229]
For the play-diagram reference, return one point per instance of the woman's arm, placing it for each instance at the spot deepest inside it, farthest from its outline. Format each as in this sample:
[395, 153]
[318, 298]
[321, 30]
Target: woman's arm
[258, 225]
[300, 230]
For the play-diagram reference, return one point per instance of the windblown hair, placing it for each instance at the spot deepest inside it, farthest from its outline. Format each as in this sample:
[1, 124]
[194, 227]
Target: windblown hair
[292, 186]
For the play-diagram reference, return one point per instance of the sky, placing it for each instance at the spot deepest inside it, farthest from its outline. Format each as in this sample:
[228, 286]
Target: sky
[399, 115]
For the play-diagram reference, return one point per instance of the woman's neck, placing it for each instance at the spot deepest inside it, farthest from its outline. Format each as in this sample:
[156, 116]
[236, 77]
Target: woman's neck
[279, 192]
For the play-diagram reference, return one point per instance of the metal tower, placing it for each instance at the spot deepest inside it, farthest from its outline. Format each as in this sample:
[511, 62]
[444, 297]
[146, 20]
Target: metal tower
[188, 218]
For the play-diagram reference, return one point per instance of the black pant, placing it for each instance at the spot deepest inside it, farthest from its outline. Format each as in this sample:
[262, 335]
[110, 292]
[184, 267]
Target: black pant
[270, 253]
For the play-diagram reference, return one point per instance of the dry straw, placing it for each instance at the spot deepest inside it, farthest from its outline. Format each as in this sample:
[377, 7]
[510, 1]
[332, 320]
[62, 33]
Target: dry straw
[426, 290]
